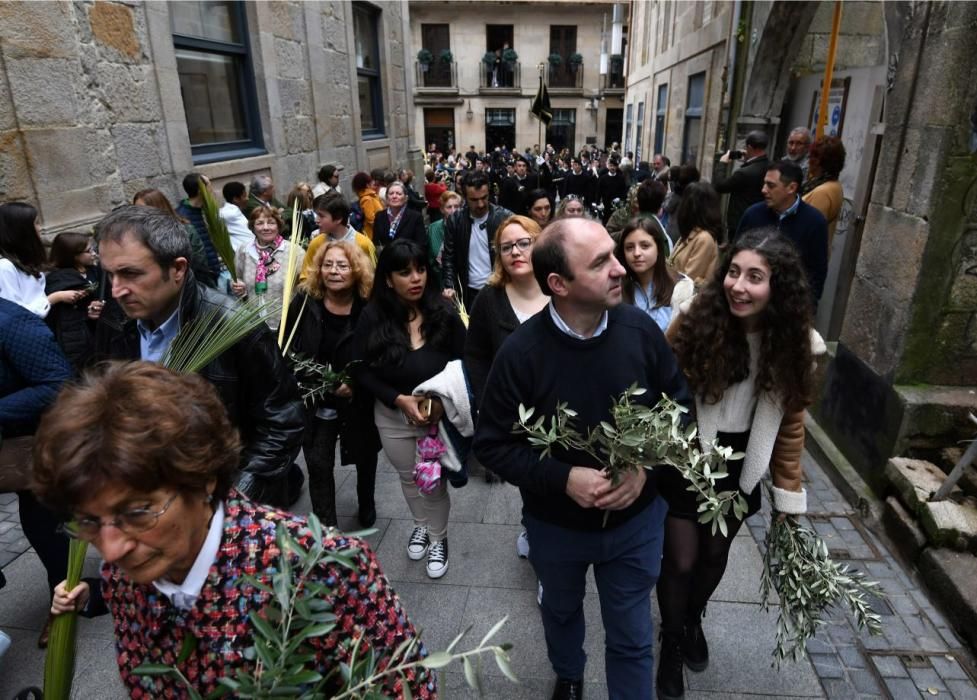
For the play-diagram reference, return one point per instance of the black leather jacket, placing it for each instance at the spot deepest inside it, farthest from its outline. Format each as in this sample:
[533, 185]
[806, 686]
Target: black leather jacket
[457, 239]
[254, 383]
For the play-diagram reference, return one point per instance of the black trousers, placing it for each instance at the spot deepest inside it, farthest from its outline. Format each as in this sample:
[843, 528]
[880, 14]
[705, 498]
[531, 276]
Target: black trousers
[41, 529]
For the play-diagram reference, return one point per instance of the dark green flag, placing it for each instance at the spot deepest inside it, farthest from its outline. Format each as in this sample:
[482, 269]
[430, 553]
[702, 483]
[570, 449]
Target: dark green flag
[541, 104]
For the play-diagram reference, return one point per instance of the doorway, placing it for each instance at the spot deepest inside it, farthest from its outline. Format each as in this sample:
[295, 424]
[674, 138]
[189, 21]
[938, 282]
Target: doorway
[436, 38]
[498, 38]
[500, 129]
[613, 126]
[439, 128]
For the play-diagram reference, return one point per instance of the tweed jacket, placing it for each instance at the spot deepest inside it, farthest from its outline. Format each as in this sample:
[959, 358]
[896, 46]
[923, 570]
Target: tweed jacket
[149, 629]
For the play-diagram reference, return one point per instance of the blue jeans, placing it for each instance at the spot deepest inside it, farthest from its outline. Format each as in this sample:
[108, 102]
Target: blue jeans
[627, 561]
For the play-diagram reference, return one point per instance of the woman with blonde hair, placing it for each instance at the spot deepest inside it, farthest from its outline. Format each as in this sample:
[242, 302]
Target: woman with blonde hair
[323, 315]
[510, 296]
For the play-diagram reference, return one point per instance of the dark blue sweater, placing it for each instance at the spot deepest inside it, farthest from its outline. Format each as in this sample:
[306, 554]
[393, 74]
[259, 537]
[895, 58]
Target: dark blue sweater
[539, 366]
[32, 369]
[808, 230]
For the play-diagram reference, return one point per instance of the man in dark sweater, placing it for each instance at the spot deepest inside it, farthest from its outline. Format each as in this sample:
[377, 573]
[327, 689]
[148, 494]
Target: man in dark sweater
[784, 209]
[584, 349]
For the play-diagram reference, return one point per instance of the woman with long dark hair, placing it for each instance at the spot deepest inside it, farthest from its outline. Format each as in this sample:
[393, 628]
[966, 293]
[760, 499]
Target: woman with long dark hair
[73, 274]
[649, 283]
[700, 225]
[407, 334]
[539, 204]
[337, 284]
[822, 190]
[22, 259]
[746, 346]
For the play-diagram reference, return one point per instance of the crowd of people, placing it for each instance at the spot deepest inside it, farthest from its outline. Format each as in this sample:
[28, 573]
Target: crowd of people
[535, 278]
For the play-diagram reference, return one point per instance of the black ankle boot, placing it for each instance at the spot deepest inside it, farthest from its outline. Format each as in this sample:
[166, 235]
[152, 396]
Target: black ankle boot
[567, 690]
[695, 650]
[669, 682]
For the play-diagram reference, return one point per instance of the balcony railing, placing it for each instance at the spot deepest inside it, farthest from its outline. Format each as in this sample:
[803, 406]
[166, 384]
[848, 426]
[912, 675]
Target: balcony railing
[500, 76]
[565, 77]
[436, 75]
[613, 82]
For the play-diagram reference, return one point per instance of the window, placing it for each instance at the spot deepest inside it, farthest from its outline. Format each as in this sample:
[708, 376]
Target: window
[365, 30]
[639, 128]
[213, 62]
[628, 115]
[562, 130]
[661, 110]
[500, 128]
[693, 118]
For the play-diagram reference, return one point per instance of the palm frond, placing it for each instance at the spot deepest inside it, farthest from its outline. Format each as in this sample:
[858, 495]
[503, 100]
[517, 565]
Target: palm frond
[59, 662]
[291, 270]
[219, 235]
[211, 333]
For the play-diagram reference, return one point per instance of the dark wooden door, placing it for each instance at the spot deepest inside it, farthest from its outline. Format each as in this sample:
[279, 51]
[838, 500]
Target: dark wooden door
[563, 41]
[436, 38]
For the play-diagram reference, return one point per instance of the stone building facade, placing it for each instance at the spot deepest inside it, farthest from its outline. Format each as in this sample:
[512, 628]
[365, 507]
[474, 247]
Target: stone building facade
[903, 314]
[101, 99]
[473, 102]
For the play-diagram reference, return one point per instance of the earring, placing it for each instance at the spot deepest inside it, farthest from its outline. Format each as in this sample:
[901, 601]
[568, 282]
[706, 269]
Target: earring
[210, 498]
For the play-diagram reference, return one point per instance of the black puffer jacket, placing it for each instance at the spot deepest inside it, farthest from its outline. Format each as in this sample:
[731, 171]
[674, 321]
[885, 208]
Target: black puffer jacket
[254, 383]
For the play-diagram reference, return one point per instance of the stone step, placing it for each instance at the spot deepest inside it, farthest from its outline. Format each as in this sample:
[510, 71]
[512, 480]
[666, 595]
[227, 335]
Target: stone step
[914, 481]
[951, 524]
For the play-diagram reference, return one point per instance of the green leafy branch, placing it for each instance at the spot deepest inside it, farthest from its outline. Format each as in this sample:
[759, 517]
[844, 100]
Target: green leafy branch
[317, 380]
[796, 563]
[298, 611]
[644, 436]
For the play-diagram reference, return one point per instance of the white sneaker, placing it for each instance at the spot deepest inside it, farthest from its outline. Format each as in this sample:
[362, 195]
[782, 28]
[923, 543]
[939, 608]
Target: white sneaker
[522, 545]
[4, 643]
[418, 543]
[539, 593]
[437, 559]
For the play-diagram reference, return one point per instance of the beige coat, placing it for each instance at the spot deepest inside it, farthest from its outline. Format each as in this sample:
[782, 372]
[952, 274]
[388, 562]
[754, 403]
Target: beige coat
[696, 256]
[827, 198]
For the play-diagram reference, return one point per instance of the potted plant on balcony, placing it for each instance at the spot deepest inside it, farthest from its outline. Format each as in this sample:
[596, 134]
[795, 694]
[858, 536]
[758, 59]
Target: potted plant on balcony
[424, 59]
[555, 59]
[489, 58]
[509, 57]
[617, 63]
[575, 61]
[446, 56]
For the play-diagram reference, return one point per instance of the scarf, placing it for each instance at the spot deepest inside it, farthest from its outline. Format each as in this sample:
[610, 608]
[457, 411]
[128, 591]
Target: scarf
[267, 264]
[812, 183]
[395, 221]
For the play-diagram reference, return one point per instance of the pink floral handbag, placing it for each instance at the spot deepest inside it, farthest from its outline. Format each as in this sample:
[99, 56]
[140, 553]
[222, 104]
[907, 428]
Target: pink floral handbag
[427, 471]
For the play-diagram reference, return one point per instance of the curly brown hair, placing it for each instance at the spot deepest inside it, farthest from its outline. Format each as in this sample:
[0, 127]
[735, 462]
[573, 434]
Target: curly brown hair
[711, 345]
[829, 153]
[359, 264]
[138, 424]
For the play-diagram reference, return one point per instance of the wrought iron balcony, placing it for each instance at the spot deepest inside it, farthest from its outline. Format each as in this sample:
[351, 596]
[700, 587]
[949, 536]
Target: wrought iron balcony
[565, 78]
[436, 76]
[501, 76]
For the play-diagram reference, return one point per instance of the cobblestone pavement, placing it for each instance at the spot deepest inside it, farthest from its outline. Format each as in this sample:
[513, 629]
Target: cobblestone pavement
[918, 655]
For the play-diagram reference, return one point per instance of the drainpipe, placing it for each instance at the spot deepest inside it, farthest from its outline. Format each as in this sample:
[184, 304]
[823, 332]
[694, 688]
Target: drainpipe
[739, 56]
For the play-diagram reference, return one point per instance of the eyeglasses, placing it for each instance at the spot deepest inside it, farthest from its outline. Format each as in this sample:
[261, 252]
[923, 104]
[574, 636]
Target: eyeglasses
[131, 522]
[338, 266]
[522, 244]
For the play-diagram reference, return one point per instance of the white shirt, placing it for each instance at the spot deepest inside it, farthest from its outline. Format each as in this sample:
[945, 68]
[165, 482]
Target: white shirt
[738, 403]
[237, 225]
[24, 289]
[185, 594]
[479, 260]
[321, 188]
[562, 325]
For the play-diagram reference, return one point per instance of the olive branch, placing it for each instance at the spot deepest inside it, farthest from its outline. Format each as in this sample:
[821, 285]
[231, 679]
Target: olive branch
[316, 380]
[299, 610]
[796, 563]
[646, 437]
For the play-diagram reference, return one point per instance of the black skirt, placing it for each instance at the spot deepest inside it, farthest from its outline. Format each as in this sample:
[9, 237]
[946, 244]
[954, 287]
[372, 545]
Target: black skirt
[682, 502]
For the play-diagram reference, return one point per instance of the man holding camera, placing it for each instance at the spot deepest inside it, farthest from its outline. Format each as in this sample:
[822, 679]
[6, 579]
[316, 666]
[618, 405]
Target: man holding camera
[745, 185]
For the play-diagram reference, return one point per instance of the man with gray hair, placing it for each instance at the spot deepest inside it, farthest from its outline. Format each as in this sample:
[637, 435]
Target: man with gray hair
[745, 185]
[261, 194]
[576, 516]
[144, 253]
[798, 147]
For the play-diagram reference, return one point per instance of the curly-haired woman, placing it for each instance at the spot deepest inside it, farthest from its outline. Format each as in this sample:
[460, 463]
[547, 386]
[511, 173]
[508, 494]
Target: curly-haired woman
[323, 316]
[746, 346]
[822, 189]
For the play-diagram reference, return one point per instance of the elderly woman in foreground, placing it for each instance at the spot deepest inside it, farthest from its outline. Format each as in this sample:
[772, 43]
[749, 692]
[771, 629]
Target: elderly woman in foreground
[140, 462]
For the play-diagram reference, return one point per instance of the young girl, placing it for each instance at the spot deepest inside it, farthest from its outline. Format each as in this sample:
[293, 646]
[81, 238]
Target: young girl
[650, 284]
[746, 346]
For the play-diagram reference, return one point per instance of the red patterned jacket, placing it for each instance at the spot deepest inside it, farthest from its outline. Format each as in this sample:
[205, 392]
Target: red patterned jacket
[148, 629]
